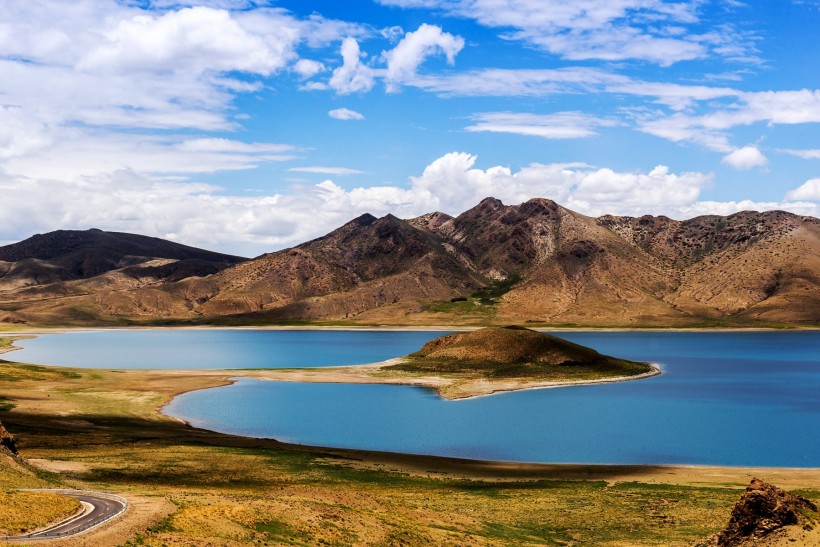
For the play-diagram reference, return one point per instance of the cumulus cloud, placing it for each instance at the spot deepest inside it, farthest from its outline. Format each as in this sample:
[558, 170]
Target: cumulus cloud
[307, 68]
[809, 190]
[345, 114]
[403, 60]
[208, 216]
[189, 40]
[561, 125]
[745, 158]
[353, 76]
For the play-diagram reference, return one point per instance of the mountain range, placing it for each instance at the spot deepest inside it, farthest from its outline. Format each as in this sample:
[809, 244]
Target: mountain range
[537, 263]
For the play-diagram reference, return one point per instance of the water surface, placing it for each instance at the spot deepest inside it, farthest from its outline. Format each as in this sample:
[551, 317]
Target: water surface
[217, 348]
[742, 399]
[725, 398]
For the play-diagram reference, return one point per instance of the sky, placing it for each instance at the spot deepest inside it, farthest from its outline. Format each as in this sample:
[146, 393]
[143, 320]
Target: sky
[250, 126]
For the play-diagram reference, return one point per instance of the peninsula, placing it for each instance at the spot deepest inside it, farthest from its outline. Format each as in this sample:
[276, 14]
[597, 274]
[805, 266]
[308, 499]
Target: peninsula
[481, 362]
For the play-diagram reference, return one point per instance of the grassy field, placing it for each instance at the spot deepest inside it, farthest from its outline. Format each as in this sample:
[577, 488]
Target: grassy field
[99, 430]
[21, 512]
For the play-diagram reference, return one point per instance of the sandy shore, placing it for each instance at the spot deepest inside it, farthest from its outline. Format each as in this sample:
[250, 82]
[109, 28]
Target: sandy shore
[448, 387]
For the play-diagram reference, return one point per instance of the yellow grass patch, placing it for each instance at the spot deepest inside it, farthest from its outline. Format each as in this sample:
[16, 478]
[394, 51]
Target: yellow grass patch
[22, 512]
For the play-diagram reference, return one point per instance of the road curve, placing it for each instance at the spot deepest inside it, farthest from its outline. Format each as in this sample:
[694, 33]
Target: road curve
[98, 508]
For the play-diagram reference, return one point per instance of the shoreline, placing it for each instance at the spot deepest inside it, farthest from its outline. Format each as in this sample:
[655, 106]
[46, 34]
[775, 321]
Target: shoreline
[447, 465]
[170, 384]
[448, 388]
[425, 465]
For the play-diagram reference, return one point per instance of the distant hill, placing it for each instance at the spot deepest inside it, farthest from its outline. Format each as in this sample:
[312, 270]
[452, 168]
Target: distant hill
[536, 263]
[71, 263]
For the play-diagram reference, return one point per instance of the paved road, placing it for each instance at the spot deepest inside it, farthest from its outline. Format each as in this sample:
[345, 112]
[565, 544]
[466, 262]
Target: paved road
[98, 509]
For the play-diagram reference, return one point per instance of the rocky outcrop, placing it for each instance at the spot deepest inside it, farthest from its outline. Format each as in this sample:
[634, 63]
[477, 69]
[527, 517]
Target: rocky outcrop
[763, 509]
[7, 440]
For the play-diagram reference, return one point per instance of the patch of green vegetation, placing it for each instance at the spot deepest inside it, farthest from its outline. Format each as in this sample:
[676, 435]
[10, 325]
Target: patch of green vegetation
[6, 342]
[6, 405]
[461, 307]
[481, 303]
[163, 526]
[15, 372]
[497, 288]
[276, 529]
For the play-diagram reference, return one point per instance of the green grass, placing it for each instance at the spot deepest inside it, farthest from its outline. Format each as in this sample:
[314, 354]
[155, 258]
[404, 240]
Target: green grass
[16, 372]
[497, 288]
[481, 303]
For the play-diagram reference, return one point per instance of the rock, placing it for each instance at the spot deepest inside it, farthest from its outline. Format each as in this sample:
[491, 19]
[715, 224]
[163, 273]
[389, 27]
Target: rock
[7, 440]
[762, 509]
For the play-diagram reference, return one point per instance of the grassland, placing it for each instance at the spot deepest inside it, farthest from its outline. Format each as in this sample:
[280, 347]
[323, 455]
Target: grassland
[100, 430]
[22, 512]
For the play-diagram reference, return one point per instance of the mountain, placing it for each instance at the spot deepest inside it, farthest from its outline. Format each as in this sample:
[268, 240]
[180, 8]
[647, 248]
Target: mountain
[536, 263]
[68, 264]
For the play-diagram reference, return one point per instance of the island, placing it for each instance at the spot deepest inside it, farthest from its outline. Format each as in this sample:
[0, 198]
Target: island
[481, 362]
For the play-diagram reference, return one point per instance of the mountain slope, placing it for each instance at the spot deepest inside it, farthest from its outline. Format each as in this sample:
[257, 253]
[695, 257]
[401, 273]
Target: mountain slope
[535, 262]
[366, 264]
[67, 255]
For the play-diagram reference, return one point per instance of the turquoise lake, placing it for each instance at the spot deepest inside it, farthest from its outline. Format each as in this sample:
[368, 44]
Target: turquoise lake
[725, 398]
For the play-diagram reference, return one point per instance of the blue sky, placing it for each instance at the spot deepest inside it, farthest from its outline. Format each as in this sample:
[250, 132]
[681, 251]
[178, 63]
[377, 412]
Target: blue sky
[251, 126]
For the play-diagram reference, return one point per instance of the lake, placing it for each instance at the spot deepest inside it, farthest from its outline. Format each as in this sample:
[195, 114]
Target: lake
[725, 398]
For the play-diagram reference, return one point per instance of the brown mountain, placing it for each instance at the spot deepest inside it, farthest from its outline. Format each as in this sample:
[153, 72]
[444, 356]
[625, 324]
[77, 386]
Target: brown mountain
[535, 262]
[59, 267]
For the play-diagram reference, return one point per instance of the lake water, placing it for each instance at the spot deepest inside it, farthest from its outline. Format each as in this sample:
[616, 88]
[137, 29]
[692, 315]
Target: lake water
[217, 348]
[743, 399]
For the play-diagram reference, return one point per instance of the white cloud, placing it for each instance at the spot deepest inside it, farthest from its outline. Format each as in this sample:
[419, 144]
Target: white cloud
[208, 216]
[191, 40]
[649, 30]
[711, 129]
[560, 125]
[345, 114]
[353, 76]
[500, 82]
[339, 171]
[307, 68]
[453, 183]
[809, 190]
[805, 154]
[78, 154]
[745, 158]
[85, 82]
[403, 60]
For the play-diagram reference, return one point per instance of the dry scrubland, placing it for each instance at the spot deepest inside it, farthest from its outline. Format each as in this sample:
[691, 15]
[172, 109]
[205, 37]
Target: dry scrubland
[99, 430]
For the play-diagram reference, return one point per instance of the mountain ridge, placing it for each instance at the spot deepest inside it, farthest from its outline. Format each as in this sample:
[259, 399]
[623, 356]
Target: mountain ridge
[536, 262]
